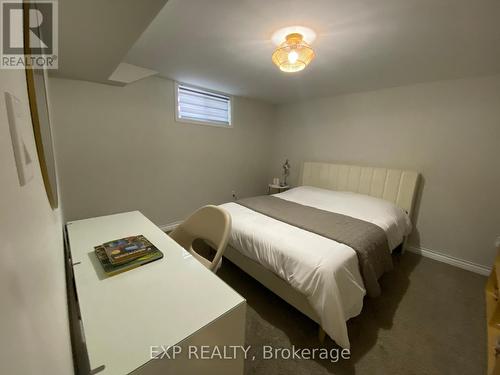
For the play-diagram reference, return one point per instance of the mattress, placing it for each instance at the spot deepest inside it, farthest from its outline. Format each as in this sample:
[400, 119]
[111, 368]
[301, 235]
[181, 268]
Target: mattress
[323, 270]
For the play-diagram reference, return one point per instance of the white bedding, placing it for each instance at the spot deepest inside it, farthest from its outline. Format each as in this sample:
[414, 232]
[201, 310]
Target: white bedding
[325, 271]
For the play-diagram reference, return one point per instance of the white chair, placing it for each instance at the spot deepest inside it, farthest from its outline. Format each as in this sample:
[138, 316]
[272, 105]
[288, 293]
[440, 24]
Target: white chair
[211, 224]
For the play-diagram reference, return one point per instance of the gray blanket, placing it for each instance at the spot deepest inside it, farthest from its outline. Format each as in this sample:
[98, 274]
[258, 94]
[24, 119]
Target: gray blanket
[367, 239]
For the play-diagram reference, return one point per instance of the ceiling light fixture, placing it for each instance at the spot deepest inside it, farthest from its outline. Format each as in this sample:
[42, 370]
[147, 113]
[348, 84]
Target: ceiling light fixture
[294, 54]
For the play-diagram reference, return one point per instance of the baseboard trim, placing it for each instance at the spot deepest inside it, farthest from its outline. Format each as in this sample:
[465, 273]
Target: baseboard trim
[169, 227]
[464, 264]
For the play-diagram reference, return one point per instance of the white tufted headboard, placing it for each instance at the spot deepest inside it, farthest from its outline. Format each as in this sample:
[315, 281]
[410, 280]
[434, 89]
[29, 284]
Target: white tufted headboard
[393, 185]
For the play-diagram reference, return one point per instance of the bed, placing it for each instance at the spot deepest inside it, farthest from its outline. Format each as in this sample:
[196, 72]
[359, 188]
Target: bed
[316, 274]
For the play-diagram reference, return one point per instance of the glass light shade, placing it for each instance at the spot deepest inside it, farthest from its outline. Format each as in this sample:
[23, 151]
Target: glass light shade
[293, 55]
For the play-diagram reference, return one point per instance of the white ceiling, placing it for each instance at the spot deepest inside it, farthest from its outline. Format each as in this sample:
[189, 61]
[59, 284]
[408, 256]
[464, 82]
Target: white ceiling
[95, 35]
[361, 44]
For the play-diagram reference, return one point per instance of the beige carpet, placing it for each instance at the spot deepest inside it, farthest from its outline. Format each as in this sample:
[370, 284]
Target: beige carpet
[429, 320]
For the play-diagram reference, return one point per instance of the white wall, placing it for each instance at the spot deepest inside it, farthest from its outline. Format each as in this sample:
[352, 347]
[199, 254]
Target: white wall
[34, 330]
[449, 131]
[121, 149]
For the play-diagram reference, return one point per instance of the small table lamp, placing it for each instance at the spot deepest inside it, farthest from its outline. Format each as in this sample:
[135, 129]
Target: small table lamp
[286, 172]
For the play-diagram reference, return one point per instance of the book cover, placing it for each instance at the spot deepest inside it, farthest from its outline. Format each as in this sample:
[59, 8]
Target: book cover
[126, 249]
[113, 269]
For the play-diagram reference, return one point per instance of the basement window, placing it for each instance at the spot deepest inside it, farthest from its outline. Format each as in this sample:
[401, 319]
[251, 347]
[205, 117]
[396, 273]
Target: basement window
[201, 106]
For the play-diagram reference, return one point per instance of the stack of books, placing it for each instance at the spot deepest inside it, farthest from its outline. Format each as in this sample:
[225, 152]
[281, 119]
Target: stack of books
[126, 253]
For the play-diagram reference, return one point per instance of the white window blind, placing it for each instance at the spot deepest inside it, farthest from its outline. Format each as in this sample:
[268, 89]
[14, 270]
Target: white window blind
[198, 105]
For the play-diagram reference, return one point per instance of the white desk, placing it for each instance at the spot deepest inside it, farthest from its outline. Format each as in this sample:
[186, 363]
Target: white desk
[171, 301]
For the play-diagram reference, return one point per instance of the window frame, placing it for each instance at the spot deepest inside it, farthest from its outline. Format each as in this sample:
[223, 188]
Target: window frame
[203, 122]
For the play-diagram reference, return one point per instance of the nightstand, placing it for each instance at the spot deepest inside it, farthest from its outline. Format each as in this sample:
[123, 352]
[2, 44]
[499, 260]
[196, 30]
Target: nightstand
[277, 187]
